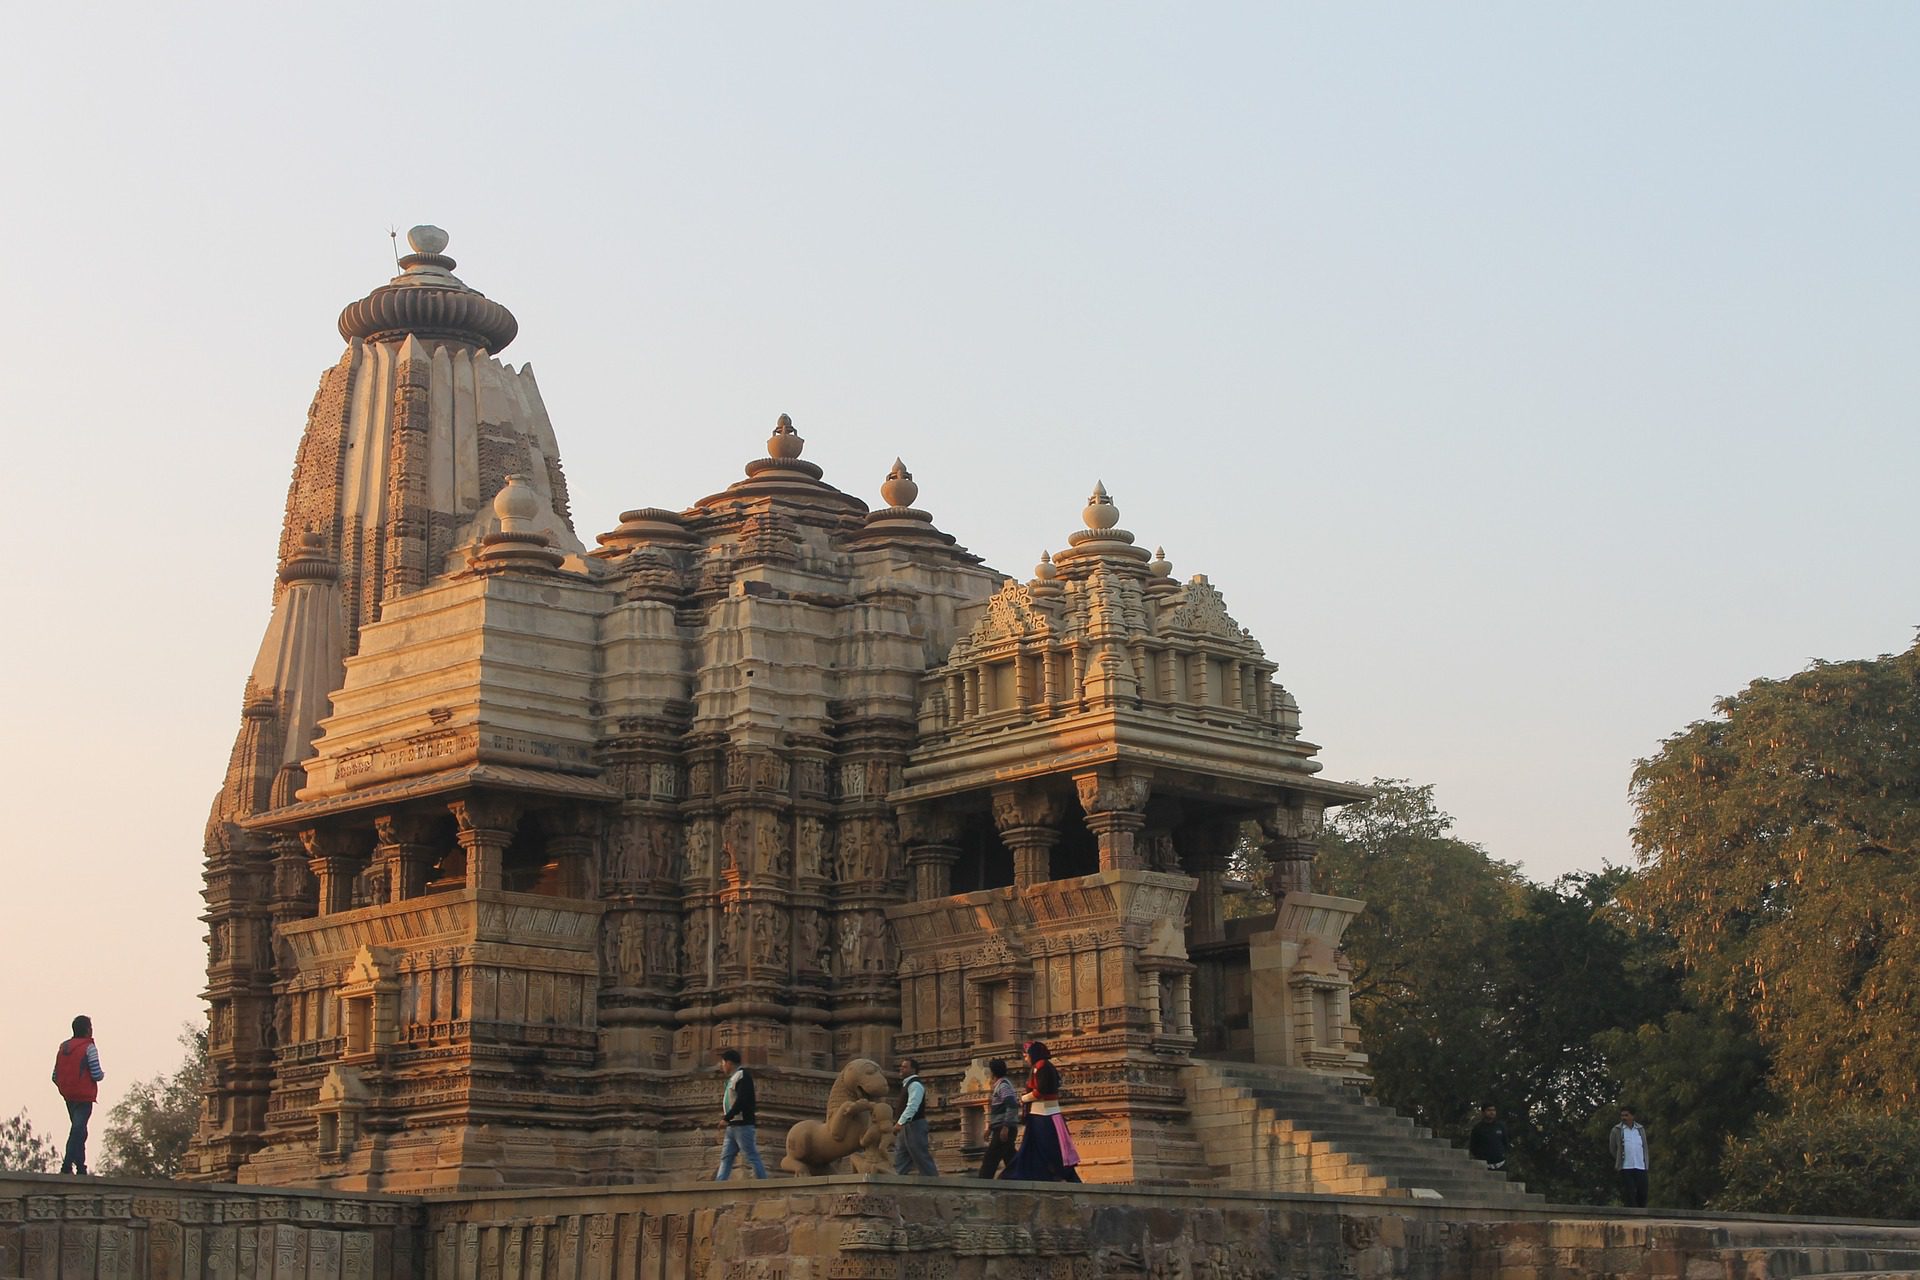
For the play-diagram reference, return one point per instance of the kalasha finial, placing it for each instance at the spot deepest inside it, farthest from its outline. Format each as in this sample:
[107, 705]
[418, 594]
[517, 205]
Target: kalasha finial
[785, 443]
[516, 504]
[1100, 514]
[1159, 566]
[1046, 578]
[427, 238]
[898, 489]
[309, 560]
[518, 543]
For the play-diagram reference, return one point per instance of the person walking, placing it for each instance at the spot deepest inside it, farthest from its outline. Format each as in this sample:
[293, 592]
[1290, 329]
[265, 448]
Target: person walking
[1488, 1141]
[1003, 1120]
[77, 1074]
[1046, 1152]
[737, 1113]
[1628, 1142]
[911, 1152]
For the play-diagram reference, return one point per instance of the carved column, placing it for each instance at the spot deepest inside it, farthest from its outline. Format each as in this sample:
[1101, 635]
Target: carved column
[932, 839]
[1290, 836]
[404, 851]
[1116, 809]
[486, 829]
[1028, 821]
[571, 837]
[1204, 847]
[334, 858]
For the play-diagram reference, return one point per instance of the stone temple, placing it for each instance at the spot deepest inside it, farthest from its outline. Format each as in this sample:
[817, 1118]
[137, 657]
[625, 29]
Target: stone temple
[518, 832]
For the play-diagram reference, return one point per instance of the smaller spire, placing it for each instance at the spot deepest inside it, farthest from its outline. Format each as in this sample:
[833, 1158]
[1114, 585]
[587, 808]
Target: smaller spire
[1046, 578]
[1160, 570]
[1102, 540]
[309, 562]
[1100, 514]
[785, 443]
[518, 543]
[898, 489]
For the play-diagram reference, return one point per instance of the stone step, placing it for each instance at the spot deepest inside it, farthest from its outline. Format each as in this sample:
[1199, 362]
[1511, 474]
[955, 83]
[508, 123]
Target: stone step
[1259, 1123]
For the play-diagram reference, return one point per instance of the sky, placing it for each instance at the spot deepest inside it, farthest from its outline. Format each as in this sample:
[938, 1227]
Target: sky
[1526, 377]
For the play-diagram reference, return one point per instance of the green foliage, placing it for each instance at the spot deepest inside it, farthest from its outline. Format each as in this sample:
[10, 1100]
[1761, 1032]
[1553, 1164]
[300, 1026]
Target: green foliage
[1571, 974]
[1696, 1079]
[1472, 985]
[1427, 952]
[1846, 1161]
[148, 1129]
[1779, 843]
[24, 1149]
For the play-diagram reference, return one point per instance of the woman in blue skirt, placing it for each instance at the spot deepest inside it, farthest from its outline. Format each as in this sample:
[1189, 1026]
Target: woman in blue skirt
[1046, 1148]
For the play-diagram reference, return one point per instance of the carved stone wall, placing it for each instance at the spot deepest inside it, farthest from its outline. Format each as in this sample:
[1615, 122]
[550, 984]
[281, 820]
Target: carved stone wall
[56, 1229]
[886, 1228]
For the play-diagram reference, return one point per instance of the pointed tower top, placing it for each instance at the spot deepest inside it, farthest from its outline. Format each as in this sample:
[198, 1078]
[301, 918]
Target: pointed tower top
[1100, 513]
[428, 301]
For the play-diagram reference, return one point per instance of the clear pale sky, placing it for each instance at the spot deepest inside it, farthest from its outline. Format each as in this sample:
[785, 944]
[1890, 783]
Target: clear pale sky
[1526, 376]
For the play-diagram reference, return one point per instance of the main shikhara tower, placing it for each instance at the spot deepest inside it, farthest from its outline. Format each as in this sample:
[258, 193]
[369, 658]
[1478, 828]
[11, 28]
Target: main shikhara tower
[516, 834]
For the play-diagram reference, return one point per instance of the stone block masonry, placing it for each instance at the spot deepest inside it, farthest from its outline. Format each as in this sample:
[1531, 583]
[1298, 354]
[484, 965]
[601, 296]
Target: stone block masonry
[886, 1228]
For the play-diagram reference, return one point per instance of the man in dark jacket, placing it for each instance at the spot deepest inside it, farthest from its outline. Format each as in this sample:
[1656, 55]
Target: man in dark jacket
[1003, 1120]
[911, 1153]
[737, 1113]
[77, 1074]
[1488, 1141]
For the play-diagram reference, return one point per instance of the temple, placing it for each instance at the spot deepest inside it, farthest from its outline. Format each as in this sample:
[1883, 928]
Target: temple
[517, 833]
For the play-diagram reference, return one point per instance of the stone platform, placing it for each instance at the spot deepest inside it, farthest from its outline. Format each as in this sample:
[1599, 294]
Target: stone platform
[886, 1228]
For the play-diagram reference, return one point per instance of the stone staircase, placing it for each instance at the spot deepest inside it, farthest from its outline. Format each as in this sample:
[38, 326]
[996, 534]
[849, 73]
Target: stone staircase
[1280, 1129]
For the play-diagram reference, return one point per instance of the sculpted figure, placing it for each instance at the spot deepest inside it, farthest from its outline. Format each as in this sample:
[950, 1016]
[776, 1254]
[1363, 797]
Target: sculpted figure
[855, 1108]
[876, 1149]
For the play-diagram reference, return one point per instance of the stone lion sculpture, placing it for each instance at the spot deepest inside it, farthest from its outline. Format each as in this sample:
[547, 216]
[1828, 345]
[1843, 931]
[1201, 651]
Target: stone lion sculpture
[855, 1113]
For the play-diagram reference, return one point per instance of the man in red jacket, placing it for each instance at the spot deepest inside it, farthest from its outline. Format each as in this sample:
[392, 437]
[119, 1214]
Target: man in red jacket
[76, 1070]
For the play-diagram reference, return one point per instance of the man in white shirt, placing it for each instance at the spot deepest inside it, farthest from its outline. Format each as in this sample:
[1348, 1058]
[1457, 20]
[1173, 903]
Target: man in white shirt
[1628, 1142]
[910, 1149]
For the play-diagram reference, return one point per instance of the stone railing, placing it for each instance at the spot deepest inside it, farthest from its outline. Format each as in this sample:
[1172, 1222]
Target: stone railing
[109, 1229]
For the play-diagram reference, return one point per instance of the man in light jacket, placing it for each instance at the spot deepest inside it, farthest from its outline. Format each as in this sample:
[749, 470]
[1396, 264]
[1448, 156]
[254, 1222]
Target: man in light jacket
[911, 1153]
[1628, 1142]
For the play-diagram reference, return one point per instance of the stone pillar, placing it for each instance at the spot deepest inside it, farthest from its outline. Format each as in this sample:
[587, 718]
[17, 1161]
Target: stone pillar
[1027, 819]
[1116, 808]
[932, 839]
[1204, 847]
[571, 837]
[1290, 836]
[486, 829]
[334, 858]
[403, 849]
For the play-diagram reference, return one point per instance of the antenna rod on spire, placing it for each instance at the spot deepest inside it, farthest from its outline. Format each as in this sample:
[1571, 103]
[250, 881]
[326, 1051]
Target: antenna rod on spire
[393, 234]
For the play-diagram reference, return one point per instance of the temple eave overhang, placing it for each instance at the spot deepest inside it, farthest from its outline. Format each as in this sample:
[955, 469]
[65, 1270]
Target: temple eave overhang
[1228, 761]
[541, 782]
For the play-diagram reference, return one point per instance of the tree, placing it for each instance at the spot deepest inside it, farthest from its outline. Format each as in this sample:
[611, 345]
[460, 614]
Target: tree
[24, 1149]
[149, 1128]
[1840, 1161]
[1428, 952]
[1781, 847]
[1573, 974]
[1697, 1079]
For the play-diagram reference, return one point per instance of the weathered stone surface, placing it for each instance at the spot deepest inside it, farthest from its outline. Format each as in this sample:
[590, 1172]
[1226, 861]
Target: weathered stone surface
[515, 835]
